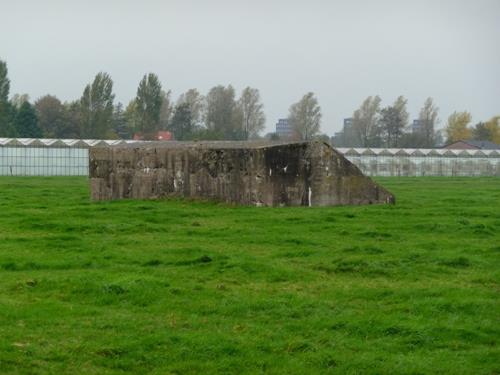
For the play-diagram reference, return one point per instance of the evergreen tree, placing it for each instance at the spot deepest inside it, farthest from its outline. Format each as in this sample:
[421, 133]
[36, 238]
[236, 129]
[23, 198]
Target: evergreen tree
[27, 122]
[7, 120]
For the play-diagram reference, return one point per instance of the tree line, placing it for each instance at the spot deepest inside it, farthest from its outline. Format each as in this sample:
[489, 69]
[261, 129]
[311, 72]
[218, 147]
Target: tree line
[219, 114]
[458, 128]
[374, 126]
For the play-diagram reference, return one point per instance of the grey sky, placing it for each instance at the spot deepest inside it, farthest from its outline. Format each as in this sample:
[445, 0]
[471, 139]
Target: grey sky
[341, 50]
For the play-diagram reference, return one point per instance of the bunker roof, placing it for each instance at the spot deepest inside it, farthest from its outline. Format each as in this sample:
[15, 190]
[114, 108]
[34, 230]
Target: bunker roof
[207, 144]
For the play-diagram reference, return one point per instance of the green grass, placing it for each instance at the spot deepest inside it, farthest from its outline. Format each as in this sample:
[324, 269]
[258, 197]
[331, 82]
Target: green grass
[186, 287]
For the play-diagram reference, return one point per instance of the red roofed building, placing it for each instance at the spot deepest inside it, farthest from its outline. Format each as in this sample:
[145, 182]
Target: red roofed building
[161, 135]
[473, 145]
[164, 135]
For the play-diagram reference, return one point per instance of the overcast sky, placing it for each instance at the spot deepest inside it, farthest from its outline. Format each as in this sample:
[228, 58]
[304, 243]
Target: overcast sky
[342, 51]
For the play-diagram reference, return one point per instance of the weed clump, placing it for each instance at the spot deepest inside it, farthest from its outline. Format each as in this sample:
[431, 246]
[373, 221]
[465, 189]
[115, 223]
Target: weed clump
[460, 262]
[152, 263]
[114, 289]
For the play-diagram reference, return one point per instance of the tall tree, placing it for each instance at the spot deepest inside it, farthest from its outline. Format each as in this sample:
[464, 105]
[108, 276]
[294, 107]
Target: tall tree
[304, 117]
[8, 120]
[393, 120]
[73, 121]
[428, 118]
[96, 105]
[27, 122]
[456, 128]
[365, 122]
[7, 111]
[131, 119]
[52, 117]
[391, 126]
[182, 125]
[4, 82]
[222, 118]
[148, 104]
[196, 103]
[18, 99]
[481, 132]
[166, 109]
[251, 112]
[400, 106]
[120, 127]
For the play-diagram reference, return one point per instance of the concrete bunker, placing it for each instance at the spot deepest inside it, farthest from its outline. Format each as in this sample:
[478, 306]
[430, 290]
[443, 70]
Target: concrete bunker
[246, 173]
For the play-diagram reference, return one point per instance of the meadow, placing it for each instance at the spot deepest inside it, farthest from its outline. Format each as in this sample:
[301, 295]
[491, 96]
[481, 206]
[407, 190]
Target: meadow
[184, 287]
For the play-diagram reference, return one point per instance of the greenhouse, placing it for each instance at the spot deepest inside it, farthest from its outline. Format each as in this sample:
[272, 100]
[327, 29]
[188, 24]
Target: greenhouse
[424, 162]
[47, 157]
[69, 157]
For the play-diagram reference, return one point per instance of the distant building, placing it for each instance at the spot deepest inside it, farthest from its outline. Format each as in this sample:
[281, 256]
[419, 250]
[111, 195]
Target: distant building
[417, 126]
[338, 139]
[160, 135]
[347, 137]
[347, 124]
[283, 128]
[473, 145]
[164, 135]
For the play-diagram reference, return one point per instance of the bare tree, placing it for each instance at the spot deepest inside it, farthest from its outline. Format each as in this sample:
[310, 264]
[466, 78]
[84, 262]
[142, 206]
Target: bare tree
[305, 116]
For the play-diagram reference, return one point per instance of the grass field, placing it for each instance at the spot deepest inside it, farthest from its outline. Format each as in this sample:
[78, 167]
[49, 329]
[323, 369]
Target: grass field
[187, 287]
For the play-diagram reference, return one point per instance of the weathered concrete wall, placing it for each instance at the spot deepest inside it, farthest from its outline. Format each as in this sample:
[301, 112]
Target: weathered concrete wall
[292, 174]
